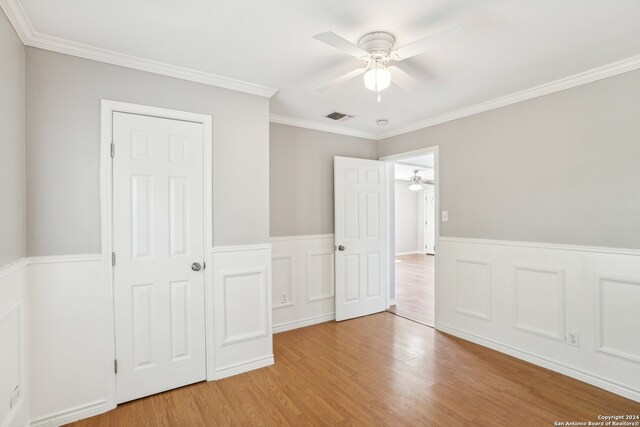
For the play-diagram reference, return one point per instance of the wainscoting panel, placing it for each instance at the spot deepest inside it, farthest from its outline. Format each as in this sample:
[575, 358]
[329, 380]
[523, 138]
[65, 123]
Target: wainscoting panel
[473, 287]
[242, 299]
[619, 316]
[538, 304]
[542, 294]
[68, 355]
[13, 279]
[303, 281]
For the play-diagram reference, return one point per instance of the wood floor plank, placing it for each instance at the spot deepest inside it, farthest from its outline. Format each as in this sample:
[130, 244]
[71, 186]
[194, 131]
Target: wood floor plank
[415, 288]
[376, 370]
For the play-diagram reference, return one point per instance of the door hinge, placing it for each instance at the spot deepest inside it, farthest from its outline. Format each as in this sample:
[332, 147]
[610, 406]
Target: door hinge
[113, 259]
[113, 150]
[115, 366]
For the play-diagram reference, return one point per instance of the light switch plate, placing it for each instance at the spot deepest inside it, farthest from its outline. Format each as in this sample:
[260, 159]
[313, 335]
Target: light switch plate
[445, 216]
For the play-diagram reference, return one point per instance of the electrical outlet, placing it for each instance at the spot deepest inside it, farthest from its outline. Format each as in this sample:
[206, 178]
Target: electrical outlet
[15, 397]
[284, 298]
[445, 216]
[573, 339]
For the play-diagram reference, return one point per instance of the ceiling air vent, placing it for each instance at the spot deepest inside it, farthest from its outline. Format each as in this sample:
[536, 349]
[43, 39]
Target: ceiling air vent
[339, 116]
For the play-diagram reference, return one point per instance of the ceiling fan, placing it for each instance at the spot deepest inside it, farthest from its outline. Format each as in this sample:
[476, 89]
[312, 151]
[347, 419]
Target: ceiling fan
[377, 51]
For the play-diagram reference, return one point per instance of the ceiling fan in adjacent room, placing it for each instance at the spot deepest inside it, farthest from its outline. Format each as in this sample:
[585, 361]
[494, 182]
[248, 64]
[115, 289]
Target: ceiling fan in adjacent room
[377, 51]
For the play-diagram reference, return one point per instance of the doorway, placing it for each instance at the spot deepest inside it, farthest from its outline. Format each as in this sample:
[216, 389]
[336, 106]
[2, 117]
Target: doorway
[413, 230]
[156, 209]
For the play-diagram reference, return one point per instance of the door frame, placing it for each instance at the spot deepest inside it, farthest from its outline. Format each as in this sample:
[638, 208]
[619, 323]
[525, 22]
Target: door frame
[390, 201]
[426, 229]
[107, 108]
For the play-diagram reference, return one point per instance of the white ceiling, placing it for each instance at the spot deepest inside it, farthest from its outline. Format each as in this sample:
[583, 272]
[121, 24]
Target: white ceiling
[404, 169]
[511, 45]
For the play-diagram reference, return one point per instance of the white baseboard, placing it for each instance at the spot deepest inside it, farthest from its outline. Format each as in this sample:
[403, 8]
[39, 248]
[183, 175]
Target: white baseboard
[392, 301]
[241, 368]
[407, 253]
[580, 375]
[288, 326]
[70, 415]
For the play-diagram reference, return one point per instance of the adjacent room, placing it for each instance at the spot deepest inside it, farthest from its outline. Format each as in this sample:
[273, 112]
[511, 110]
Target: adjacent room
[415, 231]
[311, 213]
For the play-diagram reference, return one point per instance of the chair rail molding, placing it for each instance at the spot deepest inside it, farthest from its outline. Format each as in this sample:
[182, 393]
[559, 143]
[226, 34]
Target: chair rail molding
[542, 293]
[307, 277]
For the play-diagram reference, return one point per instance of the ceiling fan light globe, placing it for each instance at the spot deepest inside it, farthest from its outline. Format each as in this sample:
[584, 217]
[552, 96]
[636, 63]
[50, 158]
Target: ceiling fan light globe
[377, 78]
[415, 187]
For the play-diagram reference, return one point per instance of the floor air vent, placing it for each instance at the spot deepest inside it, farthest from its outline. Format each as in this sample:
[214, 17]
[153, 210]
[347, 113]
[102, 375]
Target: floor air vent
[339, 116]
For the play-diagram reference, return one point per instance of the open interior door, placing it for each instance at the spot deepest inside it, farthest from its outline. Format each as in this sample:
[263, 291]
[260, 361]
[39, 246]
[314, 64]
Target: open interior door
[360, 205]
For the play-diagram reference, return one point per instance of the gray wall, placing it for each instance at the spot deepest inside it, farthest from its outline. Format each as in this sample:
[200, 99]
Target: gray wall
[12, 175]
[563, 168]
[301, 177]
[406, 218]
[63, 140]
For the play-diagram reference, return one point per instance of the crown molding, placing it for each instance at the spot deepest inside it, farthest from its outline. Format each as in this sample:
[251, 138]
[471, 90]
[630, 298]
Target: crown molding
[324, 127]
[589, 76]
[18, 18]
[20, 21]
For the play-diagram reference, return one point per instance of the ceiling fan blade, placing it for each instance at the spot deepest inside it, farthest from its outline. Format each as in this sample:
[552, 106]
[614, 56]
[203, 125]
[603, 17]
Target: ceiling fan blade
[428, 43]
[341, 44]
[403, 79]
[343, 78]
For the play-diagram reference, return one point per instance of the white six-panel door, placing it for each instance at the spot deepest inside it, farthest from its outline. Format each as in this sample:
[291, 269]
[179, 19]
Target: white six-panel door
[359, 187]
[158, 214]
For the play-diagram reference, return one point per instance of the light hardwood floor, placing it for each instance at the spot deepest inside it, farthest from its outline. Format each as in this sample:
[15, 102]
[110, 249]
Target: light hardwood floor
[415, 283]
[377, 370]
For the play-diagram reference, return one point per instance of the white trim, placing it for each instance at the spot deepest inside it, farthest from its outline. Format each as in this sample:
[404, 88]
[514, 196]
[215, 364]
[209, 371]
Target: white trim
[302, 237]
[240, 272]
[323, 127]
[392, 301]
[598, 73]
[108, 107]
[435, 150]
[626, 280]
[18, 18]
[560, 333]
[20, 21]
[13, 266]
[243, 367]
[585, 77]
[70, 415]
[302, 323]
[30, 37]
[292, 272]
[58, 259]
[620, 389]
[540, 245]
[16, 306]
[410, 154]
[488, 315]
[408, 253]
[330, 295]
[241, 248]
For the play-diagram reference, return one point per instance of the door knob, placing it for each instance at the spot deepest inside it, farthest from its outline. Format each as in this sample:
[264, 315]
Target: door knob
[341, 248]
[196, 266]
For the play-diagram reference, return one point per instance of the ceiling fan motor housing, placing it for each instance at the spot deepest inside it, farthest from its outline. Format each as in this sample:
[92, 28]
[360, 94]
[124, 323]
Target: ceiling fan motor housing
[378, 44]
